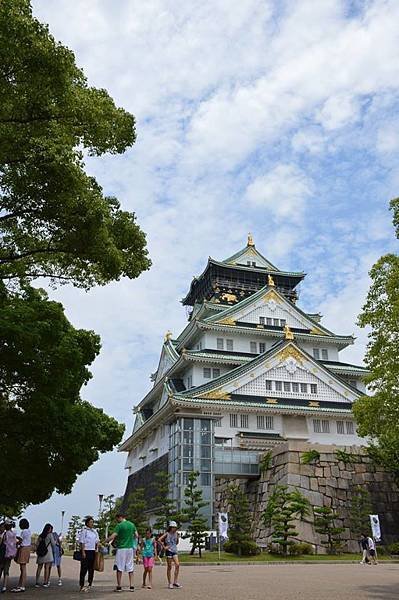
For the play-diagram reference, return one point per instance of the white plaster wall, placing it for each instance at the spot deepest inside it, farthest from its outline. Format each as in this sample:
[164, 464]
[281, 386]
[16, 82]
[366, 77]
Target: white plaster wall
[158, 439]
[198, 372]
[340, 439]
[332, 350]
[231, 432]
[241, 343]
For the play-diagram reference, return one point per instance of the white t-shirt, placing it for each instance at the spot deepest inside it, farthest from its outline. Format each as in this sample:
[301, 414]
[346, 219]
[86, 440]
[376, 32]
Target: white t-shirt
[89, 537]
[371, 543]
[26, 537]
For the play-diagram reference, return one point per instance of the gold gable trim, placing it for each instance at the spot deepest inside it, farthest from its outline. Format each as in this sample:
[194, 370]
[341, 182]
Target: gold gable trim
[317, 331]
[271, 401]
[288, 352]
[216, 395]
[227, 321]
[272, 295]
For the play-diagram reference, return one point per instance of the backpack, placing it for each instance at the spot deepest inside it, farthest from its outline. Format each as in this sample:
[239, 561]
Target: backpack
[3, 547]
[41, 549]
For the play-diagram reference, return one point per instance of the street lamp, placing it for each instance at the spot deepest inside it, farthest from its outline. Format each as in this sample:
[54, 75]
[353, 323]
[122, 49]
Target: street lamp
[62, 520]
[100, 499]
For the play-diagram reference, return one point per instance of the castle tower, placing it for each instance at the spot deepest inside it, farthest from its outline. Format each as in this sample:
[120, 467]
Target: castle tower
[250, 370]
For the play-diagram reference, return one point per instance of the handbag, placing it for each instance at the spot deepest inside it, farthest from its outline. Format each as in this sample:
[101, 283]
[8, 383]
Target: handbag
[99, 562]
[77, 555]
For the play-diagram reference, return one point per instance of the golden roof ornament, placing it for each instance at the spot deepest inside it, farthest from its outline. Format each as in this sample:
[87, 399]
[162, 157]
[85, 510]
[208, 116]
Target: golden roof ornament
[288, 333]
[270, 281]
[168, 336]
[250, 241]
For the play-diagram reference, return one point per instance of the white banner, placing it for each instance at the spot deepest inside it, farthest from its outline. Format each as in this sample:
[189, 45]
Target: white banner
[223, 525]
[375, 527]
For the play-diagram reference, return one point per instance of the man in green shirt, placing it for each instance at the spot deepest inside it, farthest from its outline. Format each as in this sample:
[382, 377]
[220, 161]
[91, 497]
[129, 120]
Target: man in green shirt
[125, 536]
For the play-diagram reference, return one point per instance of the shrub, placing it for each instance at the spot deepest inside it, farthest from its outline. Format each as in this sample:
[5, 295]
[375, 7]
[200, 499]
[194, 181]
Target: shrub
[310, 456]
[300, 549]
[265, 462]
[345, 457]
[393, 548]
[248, 548]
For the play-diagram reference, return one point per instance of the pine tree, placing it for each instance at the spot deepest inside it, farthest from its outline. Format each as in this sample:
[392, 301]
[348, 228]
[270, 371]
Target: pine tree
[165, 506]
[240, 540]
[136, 508]
[360, 509]
[74, 526]
[197, 523]
[324, 524]
[282, 509]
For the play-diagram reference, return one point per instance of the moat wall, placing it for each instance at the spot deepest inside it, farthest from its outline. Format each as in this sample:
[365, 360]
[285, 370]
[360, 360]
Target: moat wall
[329, 482]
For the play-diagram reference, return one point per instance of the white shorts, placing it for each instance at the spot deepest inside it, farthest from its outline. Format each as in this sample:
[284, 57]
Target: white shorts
[124, 560]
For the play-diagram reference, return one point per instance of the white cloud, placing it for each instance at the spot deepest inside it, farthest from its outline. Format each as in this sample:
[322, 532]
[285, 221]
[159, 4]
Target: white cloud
[282, 192]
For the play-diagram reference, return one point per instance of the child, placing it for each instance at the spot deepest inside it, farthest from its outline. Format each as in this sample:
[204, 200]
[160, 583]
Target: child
[148, 552]
[372, 551]
[169, 540]
[9, 541]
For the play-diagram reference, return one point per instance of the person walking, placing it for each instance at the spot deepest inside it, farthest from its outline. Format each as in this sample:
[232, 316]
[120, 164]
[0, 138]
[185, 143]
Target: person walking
[125, 536]
[372, 551]
[45, 554]
[170, 540]
[58, 552]
[24, 546]
[148, 552]
[365, 549]
[8, 550]
[88, 540]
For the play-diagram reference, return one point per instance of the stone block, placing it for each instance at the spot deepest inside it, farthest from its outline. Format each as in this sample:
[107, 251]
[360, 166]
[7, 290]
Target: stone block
[294, 479]
[295, 468]
[360, 468]
[318, 472]
[343, 484]
[307, 470]
[305, 482]
[314, 484]
[327, 471]
[335, 472]
[331, 481]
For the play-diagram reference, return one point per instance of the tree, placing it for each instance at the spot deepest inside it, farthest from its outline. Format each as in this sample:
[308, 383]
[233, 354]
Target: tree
[136, 509]
[240, 540]
[165, 506]
[74, 526]
[377, 416]
[359, 511]
[55, 221]
[283, 508]
[197, 523]
[48, 431]
[107, 516]
[324, 524]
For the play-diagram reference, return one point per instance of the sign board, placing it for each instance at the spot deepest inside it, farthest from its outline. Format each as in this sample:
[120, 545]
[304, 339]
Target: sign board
[223, 525]
[375, 527]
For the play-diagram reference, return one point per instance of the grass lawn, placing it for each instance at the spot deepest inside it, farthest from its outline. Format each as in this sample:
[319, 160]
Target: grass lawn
[266, 557]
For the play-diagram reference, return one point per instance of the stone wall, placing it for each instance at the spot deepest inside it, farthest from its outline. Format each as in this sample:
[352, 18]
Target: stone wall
[328, 482]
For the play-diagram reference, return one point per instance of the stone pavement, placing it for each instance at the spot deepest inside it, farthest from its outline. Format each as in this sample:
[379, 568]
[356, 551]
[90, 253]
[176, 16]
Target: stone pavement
[236, 582]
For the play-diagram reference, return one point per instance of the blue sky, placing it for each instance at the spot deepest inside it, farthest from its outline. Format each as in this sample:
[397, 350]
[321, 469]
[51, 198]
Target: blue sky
[279, 118]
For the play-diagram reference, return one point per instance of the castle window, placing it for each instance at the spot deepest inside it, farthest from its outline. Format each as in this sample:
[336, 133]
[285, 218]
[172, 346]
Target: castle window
[276, 322]
[269, 423]
[262, 320]
[268, 384]
[189, 382]
[269, 321]
[287, 386]
[304, 388]
[253, 347]
[317, 425]
[220, 343]
[340, 427]
[283, 322]
[205, 479]
[260, 422]
[262, 347]
[215, 373]
[313, 388]
[279, 386]
[207, 373]
[316, 353]
[218, 422]
[229, 345]
[244, 421]
[233, 420]
[350, 430]
[324, 354]
[325, 426]
[295, 386]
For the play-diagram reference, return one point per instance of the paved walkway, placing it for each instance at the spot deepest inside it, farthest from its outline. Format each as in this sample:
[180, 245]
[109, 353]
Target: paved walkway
[238, 582]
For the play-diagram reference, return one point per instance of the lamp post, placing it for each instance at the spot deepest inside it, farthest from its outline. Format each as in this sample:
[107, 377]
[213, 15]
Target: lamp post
[62, 520]
[100, 499]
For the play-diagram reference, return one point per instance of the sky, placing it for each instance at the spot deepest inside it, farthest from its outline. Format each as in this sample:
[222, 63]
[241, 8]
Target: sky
[278, 118]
